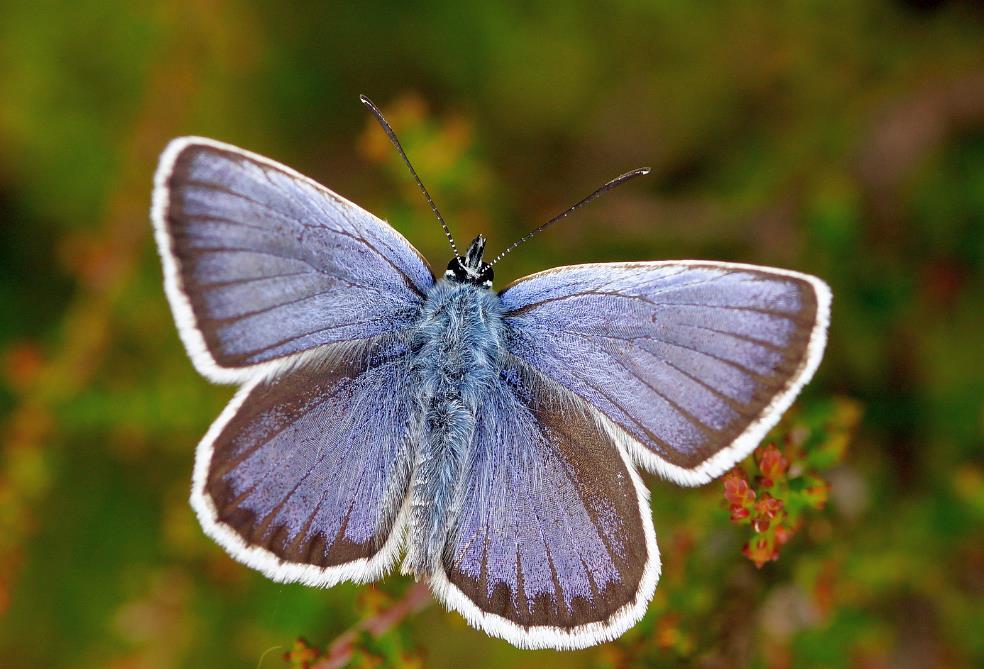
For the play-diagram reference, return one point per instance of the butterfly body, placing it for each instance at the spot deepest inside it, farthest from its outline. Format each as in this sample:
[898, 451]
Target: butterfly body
[457, 343]
[490, 438]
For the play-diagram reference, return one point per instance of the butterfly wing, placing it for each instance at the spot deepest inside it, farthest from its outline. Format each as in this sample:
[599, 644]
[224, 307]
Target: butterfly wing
[690, 363]
[553, 546]
[304, 477]
[262, 264]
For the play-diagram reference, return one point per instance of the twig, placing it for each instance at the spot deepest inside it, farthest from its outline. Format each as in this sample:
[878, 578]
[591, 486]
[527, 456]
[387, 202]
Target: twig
[416, 599]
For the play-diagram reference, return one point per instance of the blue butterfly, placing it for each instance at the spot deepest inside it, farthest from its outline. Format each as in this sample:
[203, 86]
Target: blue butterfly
[492, 438]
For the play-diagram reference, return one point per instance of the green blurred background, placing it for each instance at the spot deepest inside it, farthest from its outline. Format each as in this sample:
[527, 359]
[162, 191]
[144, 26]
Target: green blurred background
[843, 138]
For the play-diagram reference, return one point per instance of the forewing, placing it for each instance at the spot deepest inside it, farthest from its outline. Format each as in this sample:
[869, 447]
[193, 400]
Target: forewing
[690, 362]
[553, 546]
[262, 263]
[304, 477]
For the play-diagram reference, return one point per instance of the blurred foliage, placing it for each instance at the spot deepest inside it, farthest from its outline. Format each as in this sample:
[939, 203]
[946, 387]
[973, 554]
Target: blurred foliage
[843, 138]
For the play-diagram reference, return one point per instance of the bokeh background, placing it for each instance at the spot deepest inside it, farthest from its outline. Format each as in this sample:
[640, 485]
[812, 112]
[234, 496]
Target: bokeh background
[843, 138]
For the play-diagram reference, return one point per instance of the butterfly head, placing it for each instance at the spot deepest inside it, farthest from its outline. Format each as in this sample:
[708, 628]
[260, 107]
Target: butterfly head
[470, 268]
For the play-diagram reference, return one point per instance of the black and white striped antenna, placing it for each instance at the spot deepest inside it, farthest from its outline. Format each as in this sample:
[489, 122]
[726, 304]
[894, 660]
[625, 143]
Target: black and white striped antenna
[420, 184]
[614, 183]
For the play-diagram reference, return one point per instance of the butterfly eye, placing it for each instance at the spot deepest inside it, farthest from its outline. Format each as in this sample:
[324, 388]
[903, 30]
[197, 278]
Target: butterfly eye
[485, 276]
[456, 271]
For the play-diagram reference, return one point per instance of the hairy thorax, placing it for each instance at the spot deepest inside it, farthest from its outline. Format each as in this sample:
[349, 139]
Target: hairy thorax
[457, 346]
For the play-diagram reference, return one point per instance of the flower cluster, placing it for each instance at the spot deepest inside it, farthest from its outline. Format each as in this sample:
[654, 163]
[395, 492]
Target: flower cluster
[772, 494]
[763, 510]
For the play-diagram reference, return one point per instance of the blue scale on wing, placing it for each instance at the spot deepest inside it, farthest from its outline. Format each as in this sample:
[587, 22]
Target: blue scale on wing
[273, 264]
[550, 533]
[314, 467]
[682, 356]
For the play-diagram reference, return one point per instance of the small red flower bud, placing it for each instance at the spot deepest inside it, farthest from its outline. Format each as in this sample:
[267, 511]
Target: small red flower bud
[772, 464]
[759, 551]
[768, 506]
[783, 534]
[736, 489]
[739, 513]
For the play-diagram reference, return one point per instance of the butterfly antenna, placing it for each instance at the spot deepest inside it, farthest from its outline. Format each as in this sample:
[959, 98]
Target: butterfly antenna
[614, 183]
[420, 184]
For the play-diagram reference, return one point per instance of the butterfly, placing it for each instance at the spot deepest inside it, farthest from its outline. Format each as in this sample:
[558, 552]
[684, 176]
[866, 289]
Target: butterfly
[490, 438]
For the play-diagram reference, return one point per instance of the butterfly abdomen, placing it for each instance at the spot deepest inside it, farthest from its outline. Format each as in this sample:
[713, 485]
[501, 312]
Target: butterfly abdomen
[457, 347]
